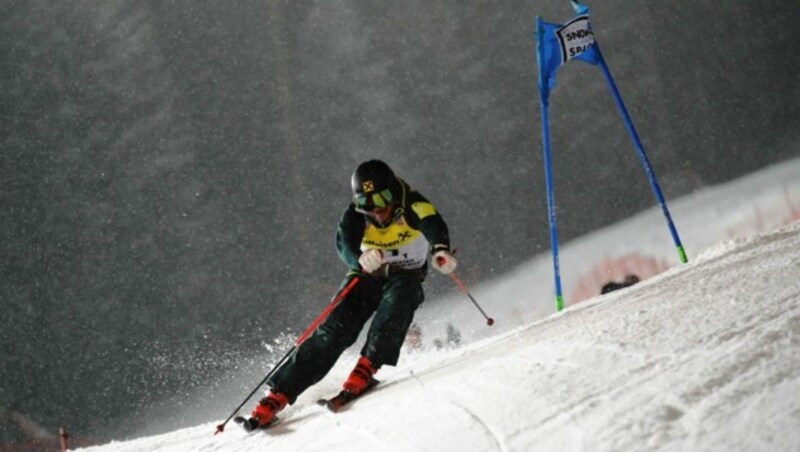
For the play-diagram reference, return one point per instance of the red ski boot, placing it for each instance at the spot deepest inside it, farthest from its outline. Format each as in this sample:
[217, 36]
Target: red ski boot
[263, 414]
[361, 378]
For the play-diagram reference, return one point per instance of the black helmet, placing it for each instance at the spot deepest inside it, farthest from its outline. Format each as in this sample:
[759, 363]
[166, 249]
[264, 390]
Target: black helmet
[374, 185]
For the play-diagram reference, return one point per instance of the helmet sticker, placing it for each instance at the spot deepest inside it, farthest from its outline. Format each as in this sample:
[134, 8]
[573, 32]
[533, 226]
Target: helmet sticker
[368, 186]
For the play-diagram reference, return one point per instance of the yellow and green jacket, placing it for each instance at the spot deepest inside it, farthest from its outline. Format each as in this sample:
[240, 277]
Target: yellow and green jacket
[406, 242]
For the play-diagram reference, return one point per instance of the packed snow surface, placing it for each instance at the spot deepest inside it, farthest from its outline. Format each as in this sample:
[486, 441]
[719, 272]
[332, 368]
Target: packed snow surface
[705, 356]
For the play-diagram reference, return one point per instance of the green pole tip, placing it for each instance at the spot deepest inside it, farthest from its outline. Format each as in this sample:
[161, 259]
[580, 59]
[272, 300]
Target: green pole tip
[682, 255]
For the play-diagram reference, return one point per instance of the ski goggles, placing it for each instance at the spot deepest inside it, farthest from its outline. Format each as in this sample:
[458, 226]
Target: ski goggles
[374, 201]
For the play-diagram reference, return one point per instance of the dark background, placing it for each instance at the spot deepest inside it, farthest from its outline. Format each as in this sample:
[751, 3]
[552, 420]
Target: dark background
[172, 172]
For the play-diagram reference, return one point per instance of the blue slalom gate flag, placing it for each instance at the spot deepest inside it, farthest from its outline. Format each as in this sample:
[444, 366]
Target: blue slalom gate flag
[559, 43]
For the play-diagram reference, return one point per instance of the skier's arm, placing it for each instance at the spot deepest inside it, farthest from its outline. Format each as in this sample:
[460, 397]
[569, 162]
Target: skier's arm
[435, 230]
[348, 237]
[421, 215]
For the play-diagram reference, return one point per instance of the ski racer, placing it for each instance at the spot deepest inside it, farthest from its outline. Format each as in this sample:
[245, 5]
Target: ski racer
[384, 237]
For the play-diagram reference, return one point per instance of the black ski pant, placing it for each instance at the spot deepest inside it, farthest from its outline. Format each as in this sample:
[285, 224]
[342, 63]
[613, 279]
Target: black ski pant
[392, 300]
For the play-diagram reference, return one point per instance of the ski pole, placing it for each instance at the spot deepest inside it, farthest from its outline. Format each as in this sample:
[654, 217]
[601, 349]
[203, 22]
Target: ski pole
[463, 288]
[308, 331]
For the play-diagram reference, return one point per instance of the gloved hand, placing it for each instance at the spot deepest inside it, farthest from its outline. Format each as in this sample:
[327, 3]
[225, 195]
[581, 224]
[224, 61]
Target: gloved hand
[444, 261]
[370, 260]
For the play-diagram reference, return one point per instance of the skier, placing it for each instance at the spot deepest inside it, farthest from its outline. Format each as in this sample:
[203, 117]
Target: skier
[384, 237]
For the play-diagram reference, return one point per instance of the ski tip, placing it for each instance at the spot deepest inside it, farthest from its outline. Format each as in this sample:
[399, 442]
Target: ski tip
[328, 404]
[249, 424]
[332, 407]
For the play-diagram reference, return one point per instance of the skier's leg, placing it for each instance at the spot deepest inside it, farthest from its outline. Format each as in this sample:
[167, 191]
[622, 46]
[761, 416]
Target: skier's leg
[402, 295]
[315, 357]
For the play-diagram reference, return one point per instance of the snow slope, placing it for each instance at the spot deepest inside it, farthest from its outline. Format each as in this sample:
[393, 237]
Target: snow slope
[757, 203]
[705, 356]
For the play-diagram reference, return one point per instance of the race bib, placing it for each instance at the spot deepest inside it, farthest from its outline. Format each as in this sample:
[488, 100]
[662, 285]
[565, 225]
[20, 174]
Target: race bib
[402, 246]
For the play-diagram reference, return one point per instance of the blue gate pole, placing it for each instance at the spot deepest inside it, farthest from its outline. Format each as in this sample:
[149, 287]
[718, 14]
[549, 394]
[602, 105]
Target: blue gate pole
[640, 151]
[548, 174]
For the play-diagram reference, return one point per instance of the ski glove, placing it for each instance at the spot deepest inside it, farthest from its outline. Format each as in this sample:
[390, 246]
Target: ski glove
[444, 261]
[371, 260]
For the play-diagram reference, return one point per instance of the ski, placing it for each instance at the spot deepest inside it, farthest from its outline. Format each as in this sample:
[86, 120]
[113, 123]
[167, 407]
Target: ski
[335, 403]
[250, 424]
